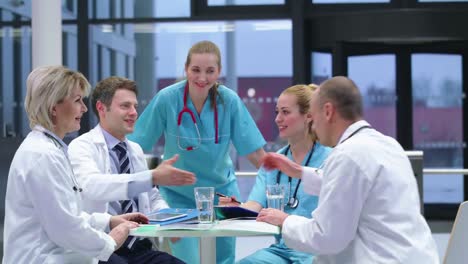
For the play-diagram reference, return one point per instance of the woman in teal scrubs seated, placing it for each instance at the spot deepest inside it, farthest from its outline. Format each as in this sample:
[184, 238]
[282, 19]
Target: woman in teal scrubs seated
[199, 119]
[294, 123]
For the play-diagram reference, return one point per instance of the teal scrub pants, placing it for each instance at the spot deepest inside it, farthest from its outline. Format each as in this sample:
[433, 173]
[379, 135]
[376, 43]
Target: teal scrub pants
[276, 255]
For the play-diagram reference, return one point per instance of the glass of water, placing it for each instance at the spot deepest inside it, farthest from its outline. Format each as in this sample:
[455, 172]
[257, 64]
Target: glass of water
[204, 197]
[275, 196]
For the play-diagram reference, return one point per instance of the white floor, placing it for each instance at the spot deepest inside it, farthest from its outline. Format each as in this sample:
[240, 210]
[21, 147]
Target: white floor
[247, 245]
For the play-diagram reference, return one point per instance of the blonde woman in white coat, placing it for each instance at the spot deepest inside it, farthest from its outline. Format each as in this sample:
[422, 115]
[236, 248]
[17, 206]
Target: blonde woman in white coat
[44, 222]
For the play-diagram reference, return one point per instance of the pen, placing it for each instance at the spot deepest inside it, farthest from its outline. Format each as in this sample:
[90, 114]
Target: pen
[232, 198]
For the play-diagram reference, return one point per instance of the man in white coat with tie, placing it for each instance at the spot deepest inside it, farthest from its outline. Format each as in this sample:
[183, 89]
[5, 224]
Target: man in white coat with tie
[368, 209]
[113, 170]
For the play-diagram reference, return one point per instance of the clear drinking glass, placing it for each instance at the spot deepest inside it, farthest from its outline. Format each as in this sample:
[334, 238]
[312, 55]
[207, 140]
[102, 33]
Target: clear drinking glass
[275, 196]
[204, 198]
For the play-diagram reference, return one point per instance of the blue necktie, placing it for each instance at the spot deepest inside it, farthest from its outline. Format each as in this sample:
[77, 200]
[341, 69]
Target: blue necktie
[124, 167]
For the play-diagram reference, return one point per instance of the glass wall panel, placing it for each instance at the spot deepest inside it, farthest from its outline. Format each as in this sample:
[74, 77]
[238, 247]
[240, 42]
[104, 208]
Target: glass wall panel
[154, 55]
[244, 2]
[349, 1]
[15, 55]
[70, 46]
[15, 10]
[138, 9]
[437, 122]
[69, 9]
[16, 64]
[321, 67]
[443, 1]
[375, 76]
[110, 50]
[70, 57]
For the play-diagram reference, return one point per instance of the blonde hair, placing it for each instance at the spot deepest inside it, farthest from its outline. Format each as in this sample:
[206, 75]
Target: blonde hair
[209, 48]
[47, 86]
[303, 94]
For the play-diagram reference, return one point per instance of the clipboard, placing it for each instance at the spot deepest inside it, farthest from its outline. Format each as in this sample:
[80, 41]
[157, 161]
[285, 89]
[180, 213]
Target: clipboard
[229, 212]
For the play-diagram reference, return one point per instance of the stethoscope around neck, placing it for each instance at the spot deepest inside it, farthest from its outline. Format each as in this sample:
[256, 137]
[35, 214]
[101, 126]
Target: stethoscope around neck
[76, 186]
[293, 202]
[185, 109]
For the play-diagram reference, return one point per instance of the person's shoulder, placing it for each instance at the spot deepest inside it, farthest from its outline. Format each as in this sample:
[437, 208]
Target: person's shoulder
[134, 145]
[322, 148]
[229, 97]
[282, 150]
[365, 147]
[227, 93]
[37, 147]
[173, 89]
[353, 146]
[85, 138]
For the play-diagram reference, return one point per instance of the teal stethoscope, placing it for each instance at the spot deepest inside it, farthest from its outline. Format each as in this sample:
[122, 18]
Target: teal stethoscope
[185, 109]
[293, 202]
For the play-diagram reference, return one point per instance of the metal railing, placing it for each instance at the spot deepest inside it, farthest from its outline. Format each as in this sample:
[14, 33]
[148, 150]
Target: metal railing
[154, 161]
[425, 171]
[446, 171]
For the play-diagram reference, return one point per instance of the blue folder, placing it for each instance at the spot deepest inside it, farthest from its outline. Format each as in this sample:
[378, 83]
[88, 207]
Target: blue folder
[228, 212]
[191, 213]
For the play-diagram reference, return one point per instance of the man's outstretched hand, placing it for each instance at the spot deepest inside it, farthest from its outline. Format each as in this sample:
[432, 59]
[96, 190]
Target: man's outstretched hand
[166, 174]
[273, 161]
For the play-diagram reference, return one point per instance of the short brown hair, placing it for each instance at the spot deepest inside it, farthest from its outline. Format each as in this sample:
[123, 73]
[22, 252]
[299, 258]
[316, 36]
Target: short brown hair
[105, 90]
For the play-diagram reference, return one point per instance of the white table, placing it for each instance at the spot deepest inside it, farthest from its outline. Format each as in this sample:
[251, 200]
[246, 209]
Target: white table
[207, 233]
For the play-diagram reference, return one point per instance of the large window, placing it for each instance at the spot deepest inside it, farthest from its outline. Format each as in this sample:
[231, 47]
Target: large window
[244, 2]
[154, 55]
[256, 72]
[348, 1]
[138, 9]
[15, 55]
[321, 64]
[268, 45]
[437, 122]
[375, 76]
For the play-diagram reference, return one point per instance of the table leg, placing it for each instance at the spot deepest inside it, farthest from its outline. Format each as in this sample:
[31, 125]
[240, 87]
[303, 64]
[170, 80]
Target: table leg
[208, 250]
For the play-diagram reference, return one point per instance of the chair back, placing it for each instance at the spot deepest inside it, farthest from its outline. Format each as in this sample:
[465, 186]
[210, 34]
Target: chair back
[457, 248]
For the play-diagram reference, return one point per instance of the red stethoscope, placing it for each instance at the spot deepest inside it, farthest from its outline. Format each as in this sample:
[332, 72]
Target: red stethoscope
[185, 109]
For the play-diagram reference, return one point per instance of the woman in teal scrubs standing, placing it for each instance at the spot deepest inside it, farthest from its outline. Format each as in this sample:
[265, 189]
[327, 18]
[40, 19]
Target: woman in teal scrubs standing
[199, 119]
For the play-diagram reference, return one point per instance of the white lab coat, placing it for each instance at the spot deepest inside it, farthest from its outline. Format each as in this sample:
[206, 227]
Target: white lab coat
[90, 159]
[368, 209]
[44, 222]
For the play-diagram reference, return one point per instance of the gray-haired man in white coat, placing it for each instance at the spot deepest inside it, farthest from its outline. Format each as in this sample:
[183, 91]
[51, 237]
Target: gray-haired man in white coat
[369, 207]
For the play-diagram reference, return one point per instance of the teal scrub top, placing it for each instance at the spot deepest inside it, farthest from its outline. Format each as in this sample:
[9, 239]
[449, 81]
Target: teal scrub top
[210, 162]
[307, 203]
